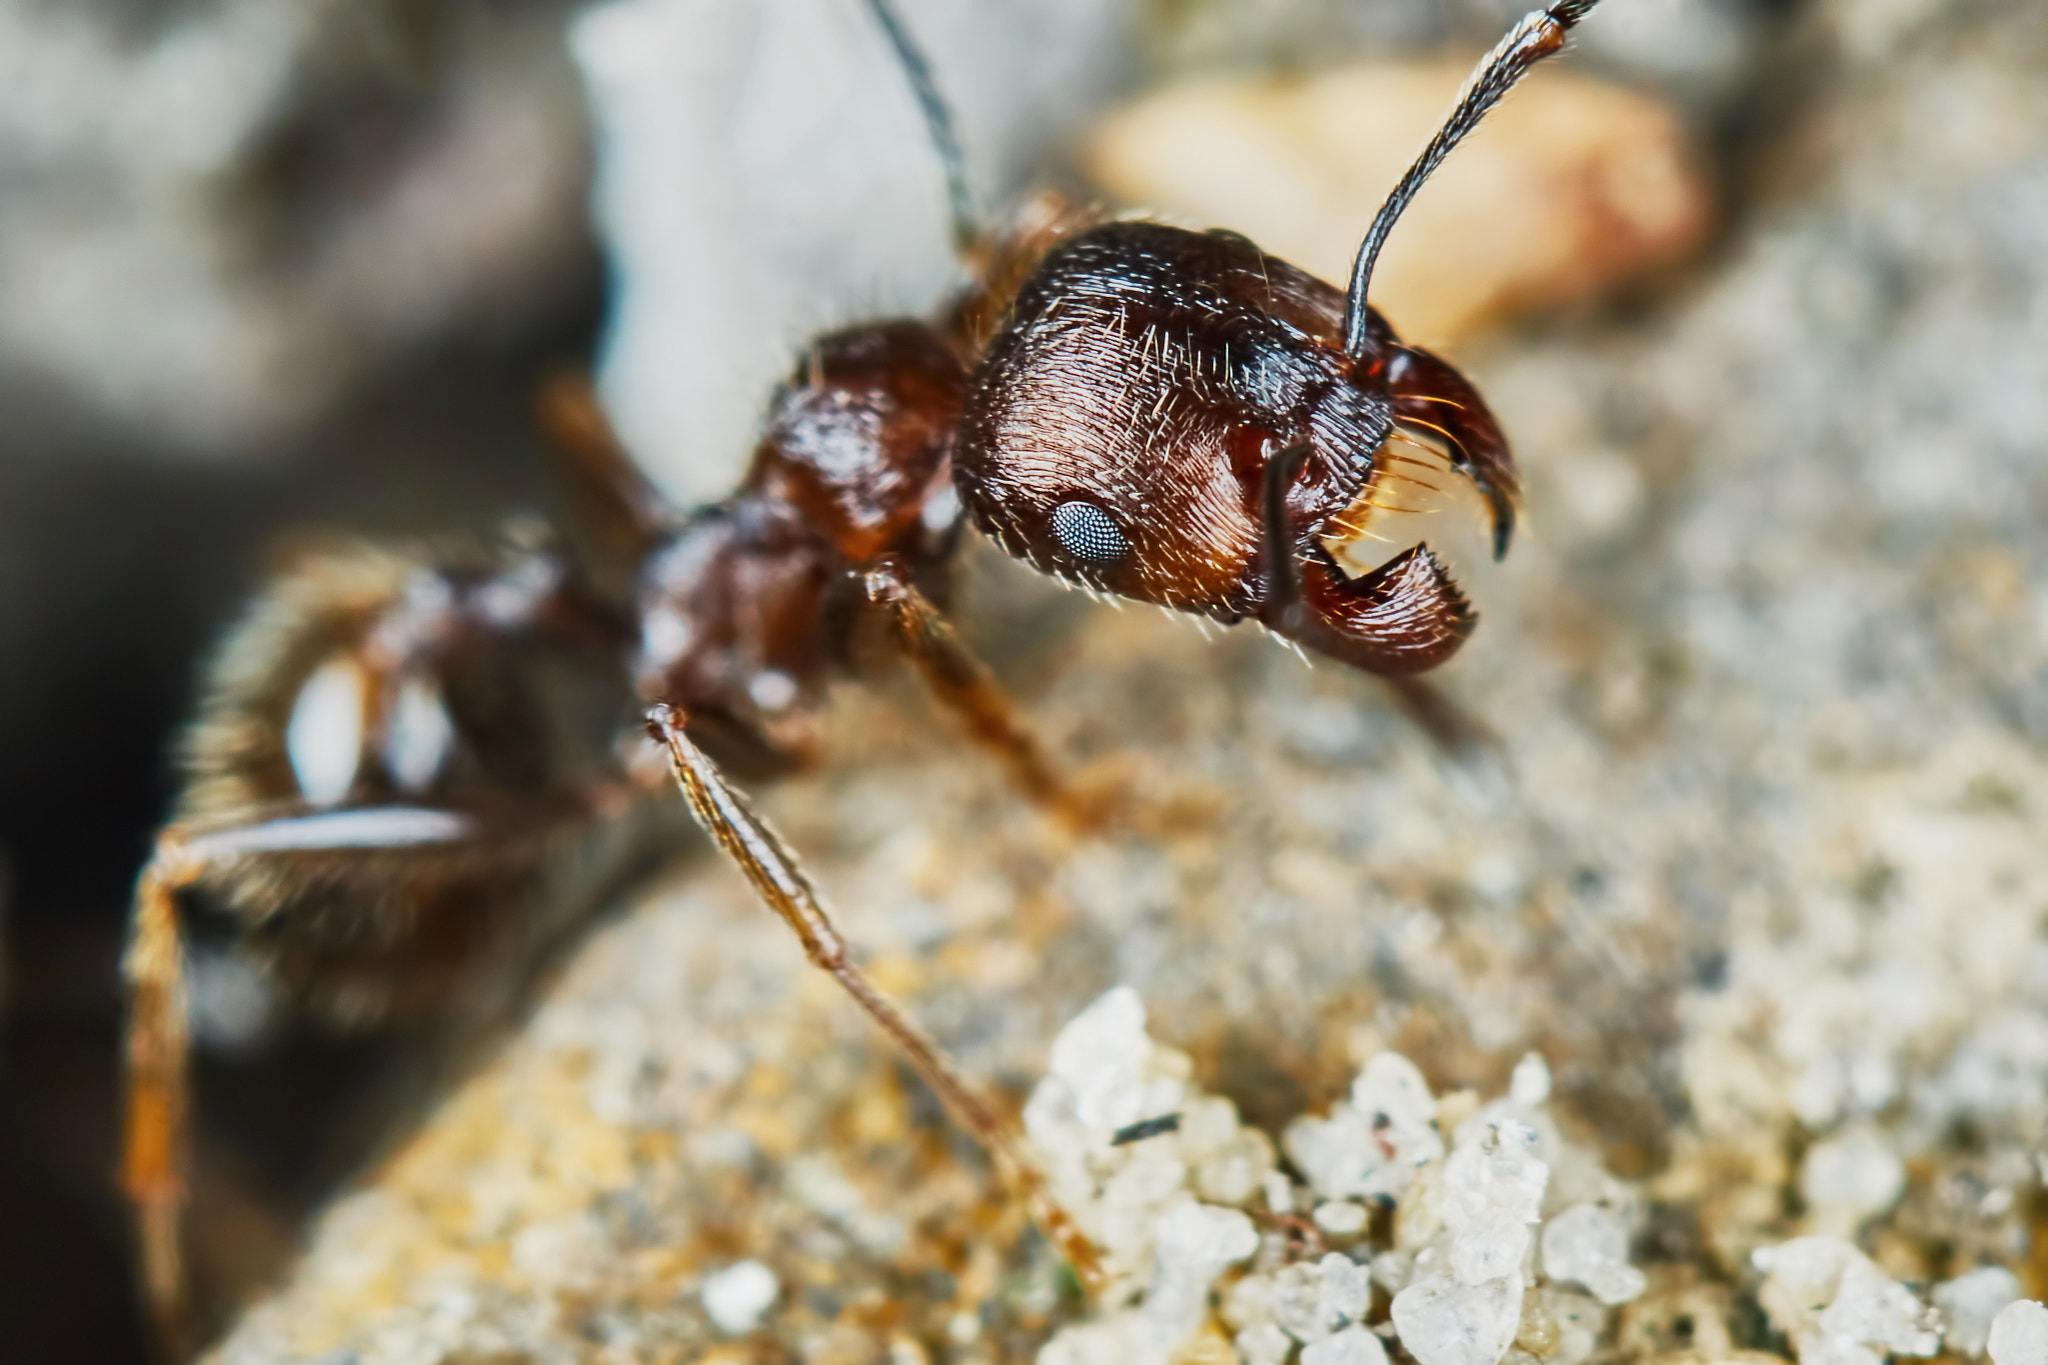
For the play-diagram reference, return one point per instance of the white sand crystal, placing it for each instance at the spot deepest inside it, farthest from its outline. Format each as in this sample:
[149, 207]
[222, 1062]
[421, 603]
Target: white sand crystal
[1588, 1244]
[1839, 1308]
[1203, 1233]
[1970, 1302]
[2019, 1334]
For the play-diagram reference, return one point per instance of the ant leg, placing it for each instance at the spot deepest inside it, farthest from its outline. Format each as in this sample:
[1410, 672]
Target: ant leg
[964, 683]
[773, 872]
[614, 505]
[159, 1046]
[1454, 729]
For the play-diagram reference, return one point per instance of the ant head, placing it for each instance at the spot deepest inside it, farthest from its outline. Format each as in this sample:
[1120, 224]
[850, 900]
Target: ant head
[1179, 418]
[1128, 430]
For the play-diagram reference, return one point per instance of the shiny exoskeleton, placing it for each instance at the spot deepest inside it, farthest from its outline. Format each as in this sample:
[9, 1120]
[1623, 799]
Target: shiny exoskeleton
[413, 766]
[1232, 434]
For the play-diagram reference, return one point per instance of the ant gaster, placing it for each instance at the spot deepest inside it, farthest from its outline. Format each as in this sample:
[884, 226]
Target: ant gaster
[395, 758]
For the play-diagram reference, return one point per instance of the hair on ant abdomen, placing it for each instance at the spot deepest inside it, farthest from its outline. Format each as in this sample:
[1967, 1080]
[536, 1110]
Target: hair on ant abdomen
[403, 755]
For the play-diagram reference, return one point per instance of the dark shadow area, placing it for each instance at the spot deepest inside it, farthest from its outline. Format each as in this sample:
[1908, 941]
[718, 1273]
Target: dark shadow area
[133, 567]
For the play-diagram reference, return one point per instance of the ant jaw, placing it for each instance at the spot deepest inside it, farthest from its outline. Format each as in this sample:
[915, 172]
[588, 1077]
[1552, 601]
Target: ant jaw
[1407, 616]
[1420, 492]
[1436, 404]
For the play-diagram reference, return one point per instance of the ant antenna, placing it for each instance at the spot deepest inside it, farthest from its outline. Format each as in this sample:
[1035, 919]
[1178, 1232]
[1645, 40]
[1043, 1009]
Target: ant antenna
[1540, 34]
[938, 121]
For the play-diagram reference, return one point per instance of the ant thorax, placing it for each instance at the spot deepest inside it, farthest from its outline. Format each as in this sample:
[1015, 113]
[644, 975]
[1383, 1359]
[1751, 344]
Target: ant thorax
[742, 609]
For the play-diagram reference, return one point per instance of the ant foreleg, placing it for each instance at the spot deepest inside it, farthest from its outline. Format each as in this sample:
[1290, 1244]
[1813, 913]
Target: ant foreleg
[773, 872]
[964, 683]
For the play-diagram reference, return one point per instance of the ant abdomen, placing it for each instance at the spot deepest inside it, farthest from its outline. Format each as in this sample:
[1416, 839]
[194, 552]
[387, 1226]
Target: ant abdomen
[374, 710]
[1123, 432]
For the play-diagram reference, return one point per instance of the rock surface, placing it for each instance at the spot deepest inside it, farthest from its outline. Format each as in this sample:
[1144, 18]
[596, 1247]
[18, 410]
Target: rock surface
[1754, 862]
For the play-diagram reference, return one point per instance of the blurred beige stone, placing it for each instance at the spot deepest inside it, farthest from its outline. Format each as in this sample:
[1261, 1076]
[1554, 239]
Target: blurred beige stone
[1571, 188]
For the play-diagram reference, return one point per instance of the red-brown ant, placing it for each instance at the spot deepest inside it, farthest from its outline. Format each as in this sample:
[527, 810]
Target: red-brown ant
[396, 751]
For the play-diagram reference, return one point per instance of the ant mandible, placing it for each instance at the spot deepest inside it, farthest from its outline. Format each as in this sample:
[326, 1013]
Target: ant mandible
[394, 758]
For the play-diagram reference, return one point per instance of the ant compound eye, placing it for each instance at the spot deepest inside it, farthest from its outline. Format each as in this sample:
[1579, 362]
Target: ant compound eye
[1089, 534]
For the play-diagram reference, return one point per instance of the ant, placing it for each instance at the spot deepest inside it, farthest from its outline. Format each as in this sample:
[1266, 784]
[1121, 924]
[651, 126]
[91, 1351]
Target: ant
[399, 753]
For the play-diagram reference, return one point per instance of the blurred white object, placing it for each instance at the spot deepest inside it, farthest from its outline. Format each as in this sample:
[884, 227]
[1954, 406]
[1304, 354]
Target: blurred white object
[2019, 1334]
[763, 174]
[1971, 1303]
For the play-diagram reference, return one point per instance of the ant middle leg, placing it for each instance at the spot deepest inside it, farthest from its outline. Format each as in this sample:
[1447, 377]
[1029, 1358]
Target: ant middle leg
[964, 684]
[776, 877]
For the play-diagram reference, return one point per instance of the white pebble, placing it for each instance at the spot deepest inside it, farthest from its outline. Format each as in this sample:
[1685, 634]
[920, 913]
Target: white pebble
[1237, 1169]
[1579, 1324]
[1530, 1083]
[1838, 1307]
[1347, 1287]
[1101, 1055]
[1312, 1301]
[1371, 1146]
[1800, 1278]
[1875, 1311]
[1264, 1344]
[1588, 1244]
[1851, 1176]
[1970, 1302]
[2019, 1334]
[1393, 1270]
[1194, 1243]
[1337, 1154]
[1341, 1217]
[1393, 1097]
[738, 1295]
[1352, 1346]
[1298, 1303]
[1443, 1322]
[1118, 1339]
[1493, 1192]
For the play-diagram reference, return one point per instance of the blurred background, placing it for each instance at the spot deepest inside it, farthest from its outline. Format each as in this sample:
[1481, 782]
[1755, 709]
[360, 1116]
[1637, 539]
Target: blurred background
[271, 271]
